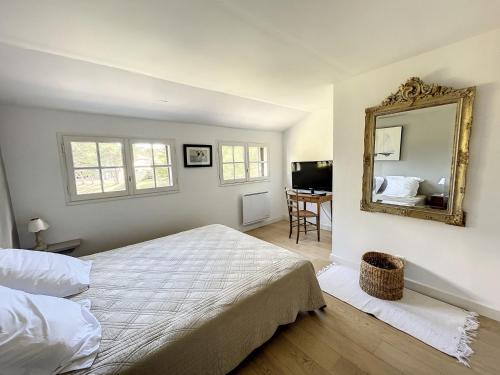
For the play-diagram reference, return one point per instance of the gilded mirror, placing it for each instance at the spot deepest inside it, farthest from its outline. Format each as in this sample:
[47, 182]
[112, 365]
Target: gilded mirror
[417, 151]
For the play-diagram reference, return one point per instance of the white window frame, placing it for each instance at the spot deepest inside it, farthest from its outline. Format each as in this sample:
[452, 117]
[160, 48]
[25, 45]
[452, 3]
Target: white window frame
[64, 141]
[247, 149]
[173, 162]
[221, 163]
[70, 169]
[247, 178]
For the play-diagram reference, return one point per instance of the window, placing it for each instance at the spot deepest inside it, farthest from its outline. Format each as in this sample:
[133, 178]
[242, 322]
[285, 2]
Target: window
[243, 162]
[258, 164]
[233, 163]
[102, 167]
[152, 166]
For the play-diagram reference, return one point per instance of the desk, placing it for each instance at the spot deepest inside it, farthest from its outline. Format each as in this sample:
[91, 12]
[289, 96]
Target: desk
[318, 199]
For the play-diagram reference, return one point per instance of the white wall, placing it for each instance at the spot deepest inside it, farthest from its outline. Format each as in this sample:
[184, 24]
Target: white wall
[29, 145]
[312, 139]
[8, 232]
[461, 262]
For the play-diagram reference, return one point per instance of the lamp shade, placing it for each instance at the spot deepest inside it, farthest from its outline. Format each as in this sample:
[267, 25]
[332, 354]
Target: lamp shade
[37, 225]
[442, 181]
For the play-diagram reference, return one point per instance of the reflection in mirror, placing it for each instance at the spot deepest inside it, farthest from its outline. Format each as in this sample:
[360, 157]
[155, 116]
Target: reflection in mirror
[413, 154]
[416, 152]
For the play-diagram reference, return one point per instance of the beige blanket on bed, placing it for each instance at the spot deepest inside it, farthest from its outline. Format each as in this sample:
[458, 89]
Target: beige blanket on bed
[197, 302]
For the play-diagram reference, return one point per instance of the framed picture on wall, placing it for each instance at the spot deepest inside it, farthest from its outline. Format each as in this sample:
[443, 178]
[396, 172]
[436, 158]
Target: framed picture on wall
[388, 143]
[197, 156]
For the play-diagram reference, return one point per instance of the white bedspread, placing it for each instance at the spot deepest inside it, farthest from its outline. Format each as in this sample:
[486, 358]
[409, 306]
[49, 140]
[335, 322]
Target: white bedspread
[197, 302]
[418, 200]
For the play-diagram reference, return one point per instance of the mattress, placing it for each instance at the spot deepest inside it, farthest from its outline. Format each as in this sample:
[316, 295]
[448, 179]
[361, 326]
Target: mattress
[196, 302]
[418, 200]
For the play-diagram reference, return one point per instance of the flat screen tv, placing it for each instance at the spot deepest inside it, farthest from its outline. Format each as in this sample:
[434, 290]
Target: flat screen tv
[316, 175]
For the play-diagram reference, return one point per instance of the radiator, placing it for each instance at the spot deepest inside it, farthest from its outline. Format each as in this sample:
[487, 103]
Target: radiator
[256, 207]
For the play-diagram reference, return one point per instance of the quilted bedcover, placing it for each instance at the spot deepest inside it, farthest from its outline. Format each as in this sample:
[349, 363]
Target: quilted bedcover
[196, 302]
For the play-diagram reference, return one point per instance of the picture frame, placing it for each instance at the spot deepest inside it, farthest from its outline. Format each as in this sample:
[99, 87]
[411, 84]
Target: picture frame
[412, 95]
[388, 143]
[197, 156]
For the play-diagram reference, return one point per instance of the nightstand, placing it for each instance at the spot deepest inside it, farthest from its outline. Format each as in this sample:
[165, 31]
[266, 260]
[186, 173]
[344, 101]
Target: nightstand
[62, 247]
[438, 201]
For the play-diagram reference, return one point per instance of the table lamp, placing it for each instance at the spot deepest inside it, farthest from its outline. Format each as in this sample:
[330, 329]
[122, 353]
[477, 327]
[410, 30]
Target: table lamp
[37, 225]
[442, 182]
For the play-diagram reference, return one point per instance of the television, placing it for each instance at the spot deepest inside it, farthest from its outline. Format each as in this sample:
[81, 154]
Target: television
[312, 175]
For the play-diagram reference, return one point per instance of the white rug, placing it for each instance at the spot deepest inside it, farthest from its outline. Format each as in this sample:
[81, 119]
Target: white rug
[438, 324]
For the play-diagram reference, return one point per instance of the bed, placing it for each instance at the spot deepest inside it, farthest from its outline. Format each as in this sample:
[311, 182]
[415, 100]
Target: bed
[416, 201]
[196, 302]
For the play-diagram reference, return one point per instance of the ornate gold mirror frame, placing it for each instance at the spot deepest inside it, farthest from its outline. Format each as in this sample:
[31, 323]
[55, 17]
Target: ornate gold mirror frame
[412, 95]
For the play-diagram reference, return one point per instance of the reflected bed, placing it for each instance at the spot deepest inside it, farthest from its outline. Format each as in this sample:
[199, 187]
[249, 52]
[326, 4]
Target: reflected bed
[417, 201]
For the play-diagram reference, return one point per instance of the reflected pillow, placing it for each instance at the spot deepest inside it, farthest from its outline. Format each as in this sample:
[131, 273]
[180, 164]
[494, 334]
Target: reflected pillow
[43, 335]
[401, 186]
[377, 183]
[39, 272]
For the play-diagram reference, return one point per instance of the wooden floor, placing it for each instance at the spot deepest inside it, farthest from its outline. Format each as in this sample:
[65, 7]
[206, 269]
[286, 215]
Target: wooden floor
[344, 340]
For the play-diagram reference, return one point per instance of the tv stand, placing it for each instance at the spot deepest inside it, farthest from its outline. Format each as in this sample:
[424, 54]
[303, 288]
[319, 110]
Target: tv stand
[312, 192]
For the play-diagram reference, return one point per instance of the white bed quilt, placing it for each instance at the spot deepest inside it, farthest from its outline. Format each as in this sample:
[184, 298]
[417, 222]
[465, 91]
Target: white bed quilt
[197, 302]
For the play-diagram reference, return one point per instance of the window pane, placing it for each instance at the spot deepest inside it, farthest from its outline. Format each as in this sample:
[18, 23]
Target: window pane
[255, 170]
[263, 153]
[111, 154]
[228, 172]
[87, 181]
[239, 153]
[227, 154]
[163, 176]
[239, 170]
[160, 154]
[143, 154]
[169, 156]
[254, 154]
[84, 154]
[113, 179]
[266, 169]
[144, 178]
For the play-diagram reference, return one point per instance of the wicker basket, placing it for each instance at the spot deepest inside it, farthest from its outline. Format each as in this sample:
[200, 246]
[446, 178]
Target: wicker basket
[382, 275]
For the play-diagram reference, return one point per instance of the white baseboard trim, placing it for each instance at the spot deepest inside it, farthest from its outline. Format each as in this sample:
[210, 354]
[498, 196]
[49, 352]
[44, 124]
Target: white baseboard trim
[326, 227]
[433, 292]
[246, 228]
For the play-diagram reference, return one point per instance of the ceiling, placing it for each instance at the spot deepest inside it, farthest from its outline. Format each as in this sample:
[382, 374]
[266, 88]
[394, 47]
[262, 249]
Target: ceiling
[36, 78]
[243, 63]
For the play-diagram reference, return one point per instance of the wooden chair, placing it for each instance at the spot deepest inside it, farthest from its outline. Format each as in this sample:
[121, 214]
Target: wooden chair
[298, 217]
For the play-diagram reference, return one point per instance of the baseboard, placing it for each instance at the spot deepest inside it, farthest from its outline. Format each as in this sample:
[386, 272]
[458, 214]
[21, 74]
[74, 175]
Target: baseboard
[433, 292]
[326, 227]
[246, 228]
[452, 299]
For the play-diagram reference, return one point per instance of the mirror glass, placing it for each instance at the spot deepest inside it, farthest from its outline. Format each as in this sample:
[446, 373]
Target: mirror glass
[413, 157]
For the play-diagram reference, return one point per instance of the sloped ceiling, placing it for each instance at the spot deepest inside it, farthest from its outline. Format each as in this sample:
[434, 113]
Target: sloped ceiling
[254, 64]
[41, 79]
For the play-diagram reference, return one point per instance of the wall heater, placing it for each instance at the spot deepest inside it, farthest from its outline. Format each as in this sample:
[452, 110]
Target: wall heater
[256, 207]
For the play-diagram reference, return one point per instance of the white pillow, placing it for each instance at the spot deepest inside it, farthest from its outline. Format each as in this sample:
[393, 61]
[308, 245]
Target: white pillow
[377, 183]
[42, 335]
[38, 272]
[401, 186]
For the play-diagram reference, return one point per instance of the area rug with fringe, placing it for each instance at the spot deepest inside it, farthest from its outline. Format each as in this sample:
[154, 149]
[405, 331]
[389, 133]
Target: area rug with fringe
[440, 325]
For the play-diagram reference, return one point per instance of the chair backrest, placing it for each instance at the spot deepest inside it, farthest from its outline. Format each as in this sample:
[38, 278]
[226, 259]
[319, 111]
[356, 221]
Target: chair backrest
[292, 200]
